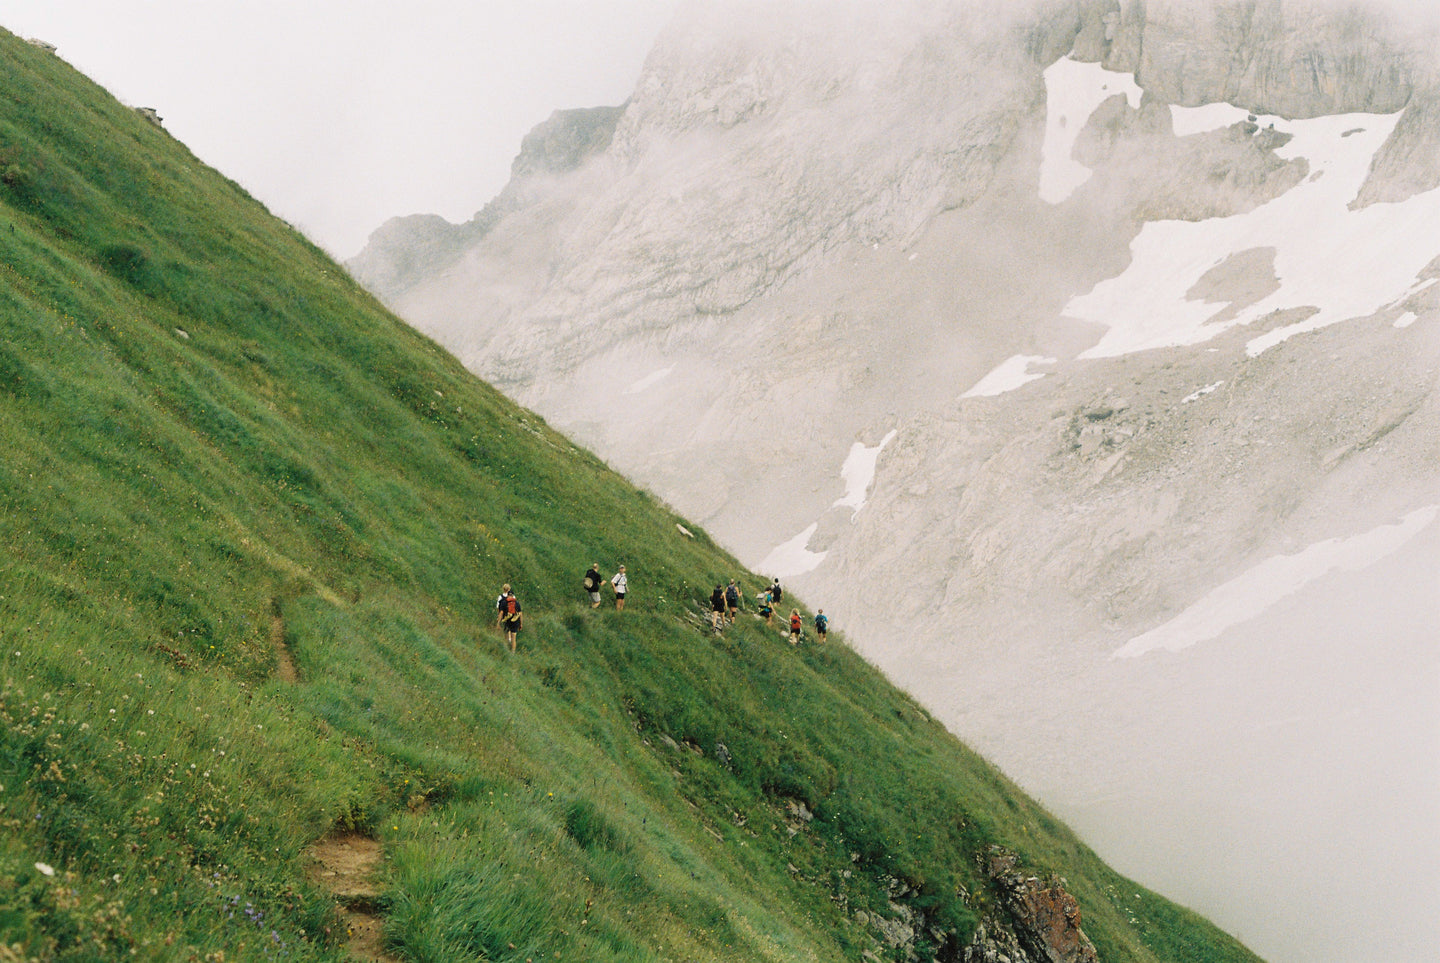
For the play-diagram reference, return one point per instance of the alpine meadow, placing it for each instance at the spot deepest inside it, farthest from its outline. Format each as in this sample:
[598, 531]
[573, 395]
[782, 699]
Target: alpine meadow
[251, 530]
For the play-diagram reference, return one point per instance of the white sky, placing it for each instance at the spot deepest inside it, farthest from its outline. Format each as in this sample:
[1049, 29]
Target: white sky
[339, 114]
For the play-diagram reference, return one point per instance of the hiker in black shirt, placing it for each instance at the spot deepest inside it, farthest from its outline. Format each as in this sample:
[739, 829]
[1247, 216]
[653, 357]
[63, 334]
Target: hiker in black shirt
[592, 584]
[717, 607]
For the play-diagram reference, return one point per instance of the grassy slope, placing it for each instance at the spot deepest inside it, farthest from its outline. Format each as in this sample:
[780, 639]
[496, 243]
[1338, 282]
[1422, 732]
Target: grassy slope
[299, 461]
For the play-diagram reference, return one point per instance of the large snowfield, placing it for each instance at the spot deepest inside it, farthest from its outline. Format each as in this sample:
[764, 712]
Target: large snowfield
[1336, 262]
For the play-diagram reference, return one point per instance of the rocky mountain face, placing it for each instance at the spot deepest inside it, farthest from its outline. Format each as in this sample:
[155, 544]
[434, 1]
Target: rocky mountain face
[1079, 358]
[406, 250]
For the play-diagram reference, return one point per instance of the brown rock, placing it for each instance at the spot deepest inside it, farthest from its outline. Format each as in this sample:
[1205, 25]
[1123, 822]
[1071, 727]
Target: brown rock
[1045, 917]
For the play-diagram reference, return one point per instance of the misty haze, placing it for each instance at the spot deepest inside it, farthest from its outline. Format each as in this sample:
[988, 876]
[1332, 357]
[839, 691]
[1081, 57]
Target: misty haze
[1080, 359]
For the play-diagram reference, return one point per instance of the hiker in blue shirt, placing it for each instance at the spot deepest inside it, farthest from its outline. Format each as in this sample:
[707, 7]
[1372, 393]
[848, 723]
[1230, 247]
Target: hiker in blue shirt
[821, 623]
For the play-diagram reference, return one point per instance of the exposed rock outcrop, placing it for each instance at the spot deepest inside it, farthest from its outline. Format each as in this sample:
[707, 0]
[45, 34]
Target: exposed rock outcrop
[1408, 164]
[1272, 56]
[405, 250]
[566, 140]
[1031, 921]
[1044, 919]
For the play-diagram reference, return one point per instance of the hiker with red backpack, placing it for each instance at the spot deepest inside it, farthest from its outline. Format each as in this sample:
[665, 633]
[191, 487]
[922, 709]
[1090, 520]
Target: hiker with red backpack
[508, 616]
[795, 625]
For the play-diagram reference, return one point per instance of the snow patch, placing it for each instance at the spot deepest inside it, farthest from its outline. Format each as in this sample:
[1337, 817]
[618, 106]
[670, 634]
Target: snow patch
[1256, 590]
[1345, 264]
[1187, 121]
[1073, 90]
[649, 380]
[1406, 319]
[858, 473]
[1201, 393]
[793, 558]
[1008, 376]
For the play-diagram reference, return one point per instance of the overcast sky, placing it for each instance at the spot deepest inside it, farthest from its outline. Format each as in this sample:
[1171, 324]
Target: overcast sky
[339, 114]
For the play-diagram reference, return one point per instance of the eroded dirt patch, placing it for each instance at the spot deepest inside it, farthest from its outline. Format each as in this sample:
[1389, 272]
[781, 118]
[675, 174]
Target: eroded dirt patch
[345, 867]
[285, 662]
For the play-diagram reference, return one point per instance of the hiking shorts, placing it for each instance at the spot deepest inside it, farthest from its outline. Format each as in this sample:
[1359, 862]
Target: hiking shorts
[594, 596]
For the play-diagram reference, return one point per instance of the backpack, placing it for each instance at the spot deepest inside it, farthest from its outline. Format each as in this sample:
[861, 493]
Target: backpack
[511, 605]
[795, 624]
[777, 592]
[820, 622]
[732, 595]
[589, 584]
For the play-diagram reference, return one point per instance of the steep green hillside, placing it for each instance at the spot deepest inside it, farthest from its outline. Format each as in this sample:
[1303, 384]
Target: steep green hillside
[251, 532]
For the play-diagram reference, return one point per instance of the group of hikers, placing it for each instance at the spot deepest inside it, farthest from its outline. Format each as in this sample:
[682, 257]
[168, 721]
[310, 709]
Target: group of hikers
[510, 620]
[725, 604]
[617, 584]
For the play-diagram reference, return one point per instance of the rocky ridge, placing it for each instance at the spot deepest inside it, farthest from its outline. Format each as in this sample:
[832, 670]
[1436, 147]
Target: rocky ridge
[404, 251]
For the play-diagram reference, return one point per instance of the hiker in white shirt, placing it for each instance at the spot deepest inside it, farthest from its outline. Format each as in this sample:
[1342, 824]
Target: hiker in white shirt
[618, 584]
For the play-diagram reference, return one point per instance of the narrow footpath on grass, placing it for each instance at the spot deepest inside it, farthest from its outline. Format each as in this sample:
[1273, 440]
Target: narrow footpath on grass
[344, 866]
